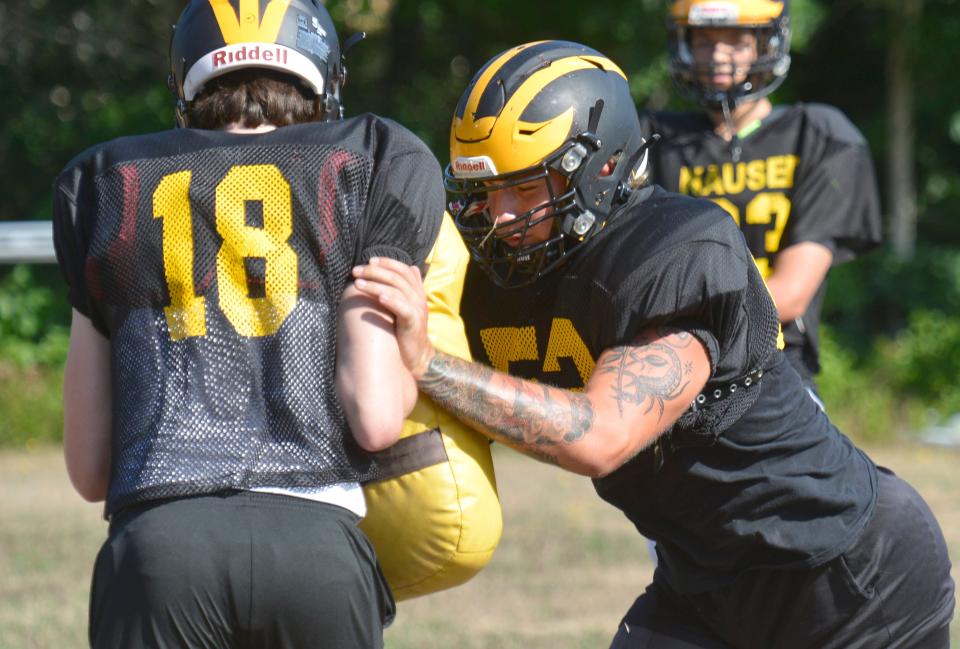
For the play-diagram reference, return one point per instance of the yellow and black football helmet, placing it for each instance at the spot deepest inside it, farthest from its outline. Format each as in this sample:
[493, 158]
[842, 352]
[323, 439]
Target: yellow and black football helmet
[214, 37]
[540, 106]
[769, 19]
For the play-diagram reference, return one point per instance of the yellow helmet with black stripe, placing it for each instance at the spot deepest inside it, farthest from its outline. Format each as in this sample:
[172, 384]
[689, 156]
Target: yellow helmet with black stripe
[296, 37]
[768, 19]
[547, 105]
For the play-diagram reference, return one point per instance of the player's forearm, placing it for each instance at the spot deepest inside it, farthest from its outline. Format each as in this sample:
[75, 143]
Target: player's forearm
[797, 275]
[548, 423]
[375, 389]
[791, 301]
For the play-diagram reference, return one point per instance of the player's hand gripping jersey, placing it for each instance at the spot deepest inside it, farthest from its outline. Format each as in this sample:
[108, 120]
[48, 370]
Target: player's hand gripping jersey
[221, 258]
[804, 175]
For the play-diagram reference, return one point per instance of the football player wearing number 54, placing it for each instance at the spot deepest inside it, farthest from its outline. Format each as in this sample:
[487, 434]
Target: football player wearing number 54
[226, 382]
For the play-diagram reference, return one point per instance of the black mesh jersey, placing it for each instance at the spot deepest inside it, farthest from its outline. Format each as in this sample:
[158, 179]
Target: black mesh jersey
[758, 477]
[215, 262]
[804, 174]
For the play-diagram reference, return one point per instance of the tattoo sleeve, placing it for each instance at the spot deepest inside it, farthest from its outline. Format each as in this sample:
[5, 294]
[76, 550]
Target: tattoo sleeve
[643, 379]
[533, 418]
[649, 372]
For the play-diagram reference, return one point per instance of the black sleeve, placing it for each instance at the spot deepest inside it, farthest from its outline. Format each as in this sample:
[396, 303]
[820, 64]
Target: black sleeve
[697, 287]
[405, 207]
[836, 201]
[72, 213]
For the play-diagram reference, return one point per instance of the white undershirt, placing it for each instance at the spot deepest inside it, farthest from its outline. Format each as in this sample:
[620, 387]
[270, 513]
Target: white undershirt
[348, 495]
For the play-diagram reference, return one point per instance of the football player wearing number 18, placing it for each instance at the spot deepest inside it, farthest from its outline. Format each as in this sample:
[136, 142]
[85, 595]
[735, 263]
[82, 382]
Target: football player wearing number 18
[797, 179]
[627, 335]
[226, 382]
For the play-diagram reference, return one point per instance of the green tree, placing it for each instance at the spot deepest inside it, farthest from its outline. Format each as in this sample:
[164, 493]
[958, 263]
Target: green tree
[76, 74]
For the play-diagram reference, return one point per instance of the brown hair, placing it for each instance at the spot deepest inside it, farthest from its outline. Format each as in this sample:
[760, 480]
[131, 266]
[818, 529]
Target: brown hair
[252, 97]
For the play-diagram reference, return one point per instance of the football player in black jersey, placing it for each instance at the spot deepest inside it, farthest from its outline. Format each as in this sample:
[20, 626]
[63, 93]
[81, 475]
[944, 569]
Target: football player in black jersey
[628, 336]
[797, 179]
[226, 382]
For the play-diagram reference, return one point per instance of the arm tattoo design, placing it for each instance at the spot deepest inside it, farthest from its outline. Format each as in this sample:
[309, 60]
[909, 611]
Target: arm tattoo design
[528, 416]
[650, 371]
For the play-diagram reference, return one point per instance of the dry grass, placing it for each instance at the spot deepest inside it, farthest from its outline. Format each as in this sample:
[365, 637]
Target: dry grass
[569, 565]
[567, 568]
[48, 538]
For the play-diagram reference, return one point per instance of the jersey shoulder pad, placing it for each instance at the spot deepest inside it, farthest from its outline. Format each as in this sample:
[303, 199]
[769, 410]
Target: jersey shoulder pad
[651, 235]
[670, 218]
[396, 138]
[832, 122]
[103, 154]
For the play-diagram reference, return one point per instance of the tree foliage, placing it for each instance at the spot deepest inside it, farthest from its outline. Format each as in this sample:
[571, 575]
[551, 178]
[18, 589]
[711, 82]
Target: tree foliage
[76, 74]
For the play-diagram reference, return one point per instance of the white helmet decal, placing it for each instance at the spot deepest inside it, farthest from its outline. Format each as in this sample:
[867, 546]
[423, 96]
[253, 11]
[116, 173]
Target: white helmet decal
[714, 13]
[245, 55]
[480, 166]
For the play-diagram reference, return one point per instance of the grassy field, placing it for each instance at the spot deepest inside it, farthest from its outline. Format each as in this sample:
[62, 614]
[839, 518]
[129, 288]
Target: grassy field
[567, 568]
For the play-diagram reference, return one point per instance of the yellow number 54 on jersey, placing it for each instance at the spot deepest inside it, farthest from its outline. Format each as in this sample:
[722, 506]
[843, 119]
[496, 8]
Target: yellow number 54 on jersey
[250, 316]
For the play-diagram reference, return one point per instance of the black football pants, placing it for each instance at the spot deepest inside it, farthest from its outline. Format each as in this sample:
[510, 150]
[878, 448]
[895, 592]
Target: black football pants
[239, 571]
[891, 590]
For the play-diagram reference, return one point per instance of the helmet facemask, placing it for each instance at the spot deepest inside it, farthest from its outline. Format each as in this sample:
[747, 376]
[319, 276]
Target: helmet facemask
[765, 73]
[551, 108]
[522, 262]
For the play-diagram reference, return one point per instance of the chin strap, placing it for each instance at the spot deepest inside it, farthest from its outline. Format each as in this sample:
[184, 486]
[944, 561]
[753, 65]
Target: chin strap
[642, 150]
[331, 105]
[623, 189]
[736, 148]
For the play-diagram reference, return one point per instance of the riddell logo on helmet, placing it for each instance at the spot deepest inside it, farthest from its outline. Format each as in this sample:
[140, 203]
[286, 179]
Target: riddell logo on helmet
[250, 54]
[480, 166]
[714, 13]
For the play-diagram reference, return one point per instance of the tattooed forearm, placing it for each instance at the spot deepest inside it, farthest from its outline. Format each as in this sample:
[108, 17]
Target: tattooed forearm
[531, 417]
[650, 373]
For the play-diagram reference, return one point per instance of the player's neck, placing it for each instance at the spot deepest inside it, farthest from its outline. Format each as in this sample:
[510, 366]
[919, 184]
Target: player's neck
[237, 127]
[742, 115]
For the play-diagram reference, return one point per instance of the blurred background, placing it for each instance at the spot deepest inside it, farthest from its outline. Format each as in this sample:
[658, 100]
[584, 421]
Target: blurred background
[75, 73]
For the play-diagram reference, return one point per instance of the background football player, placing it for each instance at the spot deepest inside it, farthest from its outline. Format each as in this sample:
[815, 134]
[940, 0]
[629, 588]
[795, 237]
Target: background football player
[225, 380]
[798, 179]
[626, 334]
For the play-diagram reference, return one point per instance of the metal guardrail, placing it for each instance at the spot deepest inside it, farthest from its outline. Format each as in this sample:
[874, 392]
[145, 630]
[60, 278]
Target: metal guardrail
[28, 242]
[31, 242]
